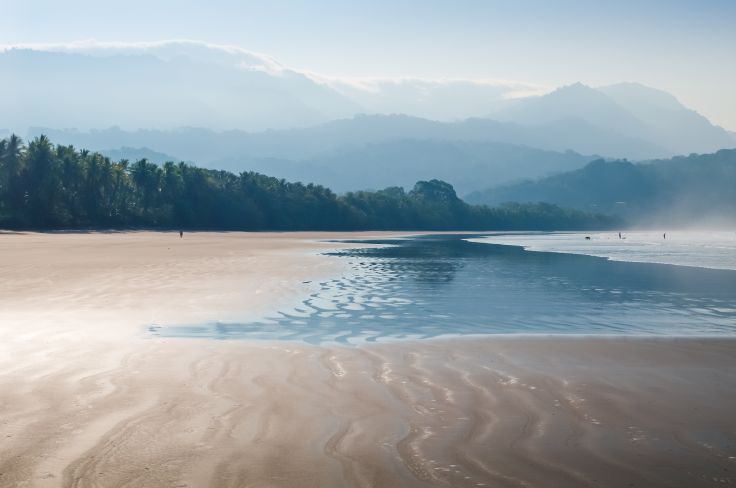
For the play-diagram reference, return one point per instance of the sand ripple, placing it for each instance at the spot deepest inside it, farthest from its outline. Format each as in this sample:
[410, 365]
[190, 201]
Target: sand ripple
[508, 412]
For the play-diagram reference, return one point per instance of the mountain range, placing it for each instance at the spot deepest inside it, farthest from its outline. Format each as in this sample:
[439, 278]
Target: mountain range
[365, 152]
[628, 109]
[375, 151]
[163, 88]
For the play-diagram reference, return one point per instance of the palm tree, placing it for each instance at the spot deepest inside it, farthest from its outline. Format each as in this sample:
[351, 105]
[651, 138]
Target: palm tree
[3, 146]
[120, 189]
[12, 174]
[43, 180]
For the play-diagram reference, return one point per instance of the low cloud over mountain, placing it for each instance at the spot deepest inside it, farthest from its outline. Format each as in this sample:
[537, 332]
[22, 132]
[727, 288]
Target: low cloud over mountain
[164, 86]
[184, 83]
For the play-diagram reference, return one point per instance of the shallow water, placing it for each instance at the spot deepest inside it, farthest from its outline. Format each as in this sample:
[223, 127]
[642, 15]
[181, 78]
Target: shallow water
[433, 286]
[705, 249]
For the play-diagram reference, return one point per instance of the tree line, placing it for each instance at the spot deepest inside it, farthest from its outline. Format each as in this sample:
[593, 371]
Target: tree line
[46, 186]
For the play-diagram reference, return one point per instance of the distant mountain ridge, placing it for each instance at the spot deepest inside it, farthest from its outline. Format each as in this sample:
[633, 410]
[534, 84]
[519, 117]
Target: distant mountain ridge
[61, 89]
[365, 152]
[467, 165]
[138, 153]
[627, 109]
[206, 146]
[374, 151]
[163, 86]
[691, 190]
[169, 84]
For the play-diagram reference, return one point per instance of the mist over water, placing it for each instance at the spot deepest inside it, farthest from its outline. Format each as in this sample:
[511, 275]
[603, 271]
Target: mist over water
[450, 285]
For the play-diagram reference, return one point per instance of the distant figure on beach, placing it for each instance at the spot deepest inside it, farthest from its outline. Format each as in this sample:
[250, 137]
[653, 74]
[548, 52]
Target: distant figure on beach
[664, 236]
[181, 234]
[619, 235]
[587, 238]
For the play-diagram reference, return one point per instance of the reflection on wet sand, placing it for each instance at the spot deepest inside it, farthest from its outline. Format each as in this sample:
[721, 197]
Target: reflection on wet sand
[433, 286]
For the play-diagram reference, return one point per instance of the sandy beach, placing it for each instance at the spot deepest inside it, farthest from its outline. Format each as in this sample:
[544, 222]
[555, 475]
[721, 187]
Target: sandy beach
[88, 399]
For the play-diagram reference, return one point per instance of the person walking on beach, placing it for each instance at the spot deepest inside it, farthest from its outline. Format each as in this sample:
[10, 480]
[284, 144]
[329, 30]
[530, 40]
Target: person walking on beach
[619, 235]
[181, 234]
[664, 236]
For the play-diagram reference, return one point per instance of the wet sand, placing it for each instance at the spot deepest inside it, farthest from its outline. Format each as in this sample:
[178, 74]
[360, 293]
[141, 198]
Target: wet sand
[87, 399]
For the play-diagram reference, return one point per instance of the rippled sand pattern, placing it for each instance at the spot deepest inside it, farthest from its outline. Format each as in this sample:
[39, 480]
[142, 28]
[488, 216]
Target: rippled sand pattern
[504, 413]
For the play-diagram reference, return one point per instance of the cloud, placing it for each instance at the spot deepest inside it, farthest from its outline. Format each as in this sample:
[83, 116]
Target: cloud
[238, 57]
[379, 84]
[436, 98]
[166, 50]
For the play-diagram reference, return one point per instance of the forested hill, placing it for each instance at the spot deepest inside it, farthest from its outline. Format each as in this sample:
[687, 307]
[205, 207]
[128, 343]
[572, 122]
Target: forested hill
[46, 186]
[685, 190]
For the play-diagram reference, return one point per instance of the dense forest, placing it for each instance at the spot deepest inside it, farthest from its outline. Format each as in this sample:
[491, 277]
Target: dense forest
[684, 190]
[47, 186]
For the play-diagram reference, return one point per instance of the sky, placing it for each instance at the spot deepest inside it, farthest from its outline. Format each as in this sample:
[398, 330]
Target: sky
[687, 48]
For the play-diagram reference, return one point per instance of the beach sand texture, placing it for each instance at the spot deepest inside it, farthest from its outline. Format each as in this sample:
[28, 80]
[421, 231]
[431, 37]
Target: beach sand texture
[88, 399]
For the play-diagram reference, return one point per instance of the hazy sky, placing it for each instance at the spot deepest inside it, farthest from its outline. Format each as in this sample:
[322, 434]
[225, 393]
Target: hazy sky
[685, 47]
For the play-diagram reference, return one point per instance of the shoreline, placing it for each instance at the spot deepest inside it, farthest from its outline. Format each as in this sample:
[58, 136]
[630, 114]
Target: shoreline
[89, 401]
[145, 278]
[592, 247]
[450, 339]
